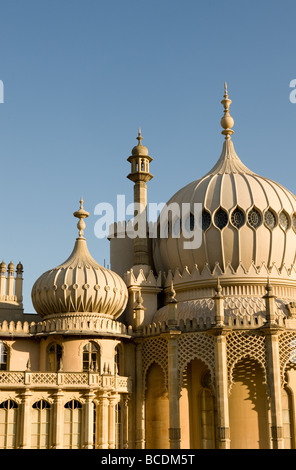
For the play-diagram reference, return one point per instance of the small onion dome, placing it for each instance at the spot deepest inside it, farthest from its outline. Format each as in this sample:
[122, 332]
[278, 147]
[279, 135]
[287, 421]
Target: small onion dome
[10, 267]
[2, 267]
[19, 268]
[140, 150]
[80, 284]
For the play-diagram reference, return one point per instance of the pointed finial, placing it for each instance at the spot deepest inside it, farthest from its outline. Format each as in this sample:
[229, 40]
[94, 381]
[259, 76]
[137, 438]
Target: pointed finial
[218, 290]
[172, 294]
[139, 300]
[268, 287]
[81, 214]
[227, 121]
[139, 138]
[218, 286]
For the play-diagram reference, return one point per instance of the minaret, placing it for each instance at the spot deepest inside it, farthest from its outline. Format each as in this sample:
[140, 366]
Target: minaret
[140, 174]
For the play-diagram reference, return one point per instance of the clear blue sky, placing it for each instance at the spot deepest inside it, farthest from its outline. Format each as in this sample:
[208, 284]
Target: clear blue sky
[80, 77]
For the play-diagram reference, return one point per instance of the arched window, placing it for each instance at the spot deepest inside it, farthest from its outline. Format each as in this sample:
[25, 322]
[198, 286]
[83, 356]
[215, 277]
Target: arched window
[40, 425]
[117, 361]
[72, 425]
[118, 426]
[54, 356]
[8, 424]
[3, 356]
[91, 357]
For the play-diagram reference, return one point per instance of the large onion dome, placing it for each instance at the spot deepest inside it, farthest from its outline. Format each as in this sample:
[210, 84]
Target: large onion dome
[247, 219]
[80, 284]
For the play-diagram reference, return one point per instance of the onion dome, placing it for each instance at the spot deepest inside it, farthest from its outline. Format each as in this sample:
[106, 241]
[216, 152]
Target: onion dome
[79, 285]
[246, 219]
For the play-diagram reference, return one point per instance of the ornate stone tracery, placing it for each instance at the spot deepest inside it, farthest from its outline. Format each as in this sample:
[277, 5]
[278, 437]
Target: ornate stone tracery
[155, 350]
[196, 346]
[287, 353]
[240, 345]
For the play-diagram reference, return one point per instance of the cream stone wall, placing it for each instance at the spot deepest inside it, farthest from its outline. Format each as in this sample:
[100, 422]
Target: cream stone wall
[72, 352]
[121, 253]
[157, 410]
[22, 350]
[248, 408]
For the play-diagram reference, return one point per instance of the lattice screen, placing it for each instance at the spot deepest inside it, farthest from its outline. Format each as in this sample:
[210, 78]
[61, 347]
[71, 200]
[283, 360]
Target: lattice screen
[240, 345]
[287, 353]
[196, 346]
[155, 350]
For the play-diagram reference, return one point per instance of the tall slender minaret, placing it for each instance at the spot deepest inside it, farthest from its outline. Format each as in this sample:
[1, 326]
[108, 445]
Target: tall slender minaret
[139, 174]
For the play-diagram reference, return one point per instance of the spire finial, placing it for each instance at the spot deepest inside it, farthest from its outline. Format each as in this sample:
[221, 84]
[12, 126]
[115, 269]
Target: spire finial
[139, 138]
[218, 286]
[81, 214]
[218, 290]
[172, 293]
[227, 121]
[268, 286]
[225, 89]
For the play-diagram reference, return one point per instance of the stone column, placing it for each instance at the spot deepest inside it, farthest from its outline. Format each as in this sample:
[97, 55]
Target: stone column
[140, 402]
[125, 420]
[222, 390]
[113, 400]
[10, 282]
[25, 435]
[173, 390]
[89, 420]
[274, 384]
[271, 330]
[58, 420]
[221, 371]
[103, 421]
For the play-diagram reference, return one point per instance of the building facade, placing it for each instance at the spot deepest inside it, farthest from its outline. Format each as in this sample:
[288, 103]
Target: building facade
[178, 346]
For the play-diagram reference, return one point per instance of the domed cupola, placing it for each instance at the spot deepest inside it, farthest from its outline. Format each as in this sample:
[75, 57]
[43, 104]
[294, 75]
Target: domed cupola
[79, 285]
[247, 220]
